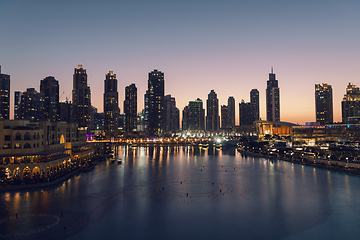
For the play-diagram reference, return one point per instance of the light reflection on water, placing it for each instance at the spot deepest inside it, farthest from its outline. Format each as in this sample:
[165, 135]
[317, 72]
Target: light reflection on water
[174, 193]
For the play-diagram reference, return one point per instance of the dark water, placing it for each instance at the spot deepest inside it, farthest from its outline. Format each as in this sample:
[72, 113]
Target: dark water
[188, 193]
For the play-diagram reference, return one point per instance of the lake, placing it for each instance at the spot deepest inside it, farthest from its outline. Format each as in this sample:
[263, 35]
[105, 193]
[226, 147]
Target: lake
[188, 193]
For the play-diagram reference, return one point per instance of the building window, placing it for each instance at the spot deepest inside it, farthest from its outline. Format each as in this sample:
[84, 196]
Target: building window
[27, 136]
[17, 145]
[27, 145]
[18, 136]
[7, 137]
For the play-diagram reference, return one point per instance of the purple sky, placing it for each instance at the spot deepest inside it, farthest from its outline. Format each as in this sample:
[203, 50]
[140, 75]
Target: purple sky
[228, 46]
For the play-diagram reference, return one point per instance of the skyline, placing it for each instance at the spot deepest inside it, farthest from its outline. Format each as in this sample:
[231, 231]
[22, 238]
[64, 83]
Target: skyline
[229, 47]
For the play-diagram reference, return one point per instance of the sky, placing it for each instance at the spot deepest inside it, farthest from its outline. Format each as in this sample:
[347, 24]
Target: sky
[199, 45]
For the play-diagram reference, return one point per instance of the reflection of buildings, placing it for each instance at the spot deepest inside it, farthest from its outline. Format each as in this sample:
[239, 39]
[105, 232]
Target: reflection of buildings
[272, 99]
[42, 149]
[350, 105]
[4, 96]
[111, 105]
[323, 103]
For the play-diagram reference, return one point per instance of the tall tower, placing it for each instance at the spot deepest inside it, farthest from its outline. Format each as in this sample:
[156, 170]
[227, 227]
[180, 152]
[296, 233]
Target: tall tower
[4, 96]
[231, 112]
[31, 105]
[224, 117]
[212, 117]
[111, 104]
[81, 98]
[156, 89]
[350, 105]
[254, 101]
[323, 103]
[130, 108]
[245, 113]
[272, 99]
[171, 119]
[49, 88]
[17, 101]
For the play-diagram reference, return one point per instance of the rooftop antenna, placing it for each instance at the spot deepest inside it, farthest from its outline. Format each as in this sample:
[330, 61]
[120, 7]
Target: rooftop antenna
[271, 70]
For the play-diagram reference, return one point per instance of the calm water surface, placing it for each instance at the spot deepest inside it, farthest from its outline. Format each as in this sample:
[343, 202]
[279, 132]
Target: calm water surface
[188, 193]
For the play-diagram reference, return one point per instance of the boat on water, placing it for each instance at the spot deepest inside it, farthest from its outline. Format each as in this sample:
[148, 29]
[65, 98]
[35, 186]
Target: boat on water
[119, 161]
[112, 160]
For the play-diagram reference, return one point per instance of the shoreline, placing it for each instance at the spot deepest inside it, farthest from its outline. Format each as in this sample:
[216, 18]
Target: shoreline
[319, 163]
[50, 183]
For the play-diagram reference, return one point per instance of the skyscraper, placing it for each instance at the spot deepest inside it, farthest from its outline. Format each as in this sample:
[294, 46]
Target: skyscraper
[111, 104]
[323, 104]
[49, 88]
[81, 98]
[245, 113]
[224, 117]
[4, 96]
[350, 105]
[65, 111]
[254, 101]
[31, 105]
[231, 112]
[171, 120]
[212, 117]
[130, 108]
[272, 99]
[17, 101]
[194, 116]
[156, 90]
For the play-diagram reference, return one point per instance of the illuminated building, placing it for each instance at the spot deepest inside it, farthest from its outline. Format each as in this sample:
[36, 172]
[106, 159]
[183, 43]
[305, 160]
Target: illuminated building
[224, 117]
[231, 112]
[325, 134]
[49, 88]
[245, 113]
[130, 108]
[4, 96]
[194, 116]
[171, 120]
[17, 101]
[111, 105]
[156, 89]
[212, 111]
[31, 105]
[41, 150]
[65, 111]
[81, 98]
[323, 104]
[350, 105]
[255, 106]
[273, 128]
[272, 99]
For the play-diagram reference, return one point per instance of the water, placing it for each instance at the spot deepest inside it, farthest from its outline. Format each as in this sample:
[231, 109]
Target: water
[188, 193]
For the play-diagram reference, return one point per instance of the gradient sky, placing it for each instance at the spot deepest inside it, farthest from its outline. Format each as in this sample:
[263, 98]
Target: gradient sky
[228, 46]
